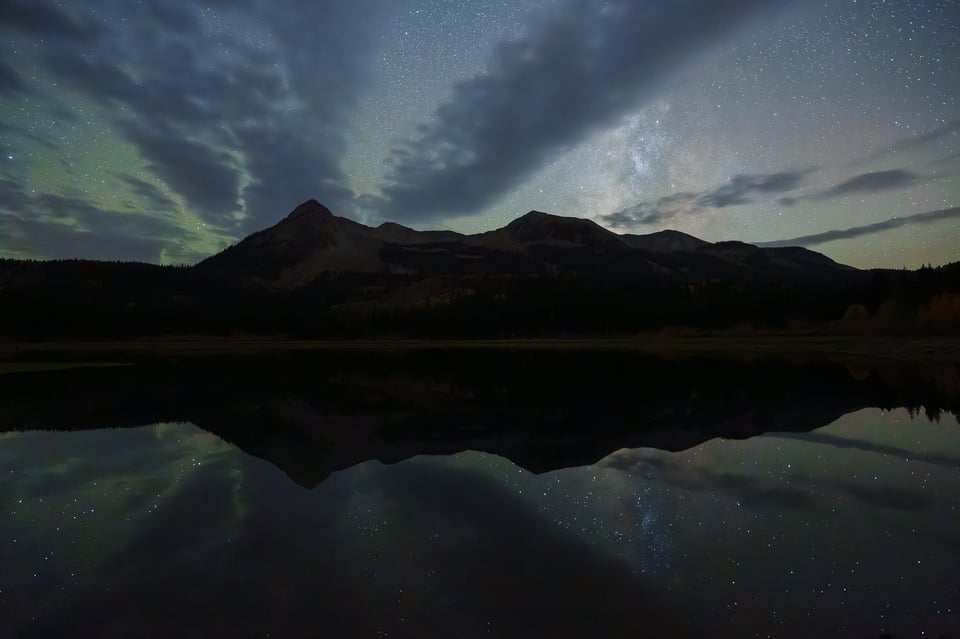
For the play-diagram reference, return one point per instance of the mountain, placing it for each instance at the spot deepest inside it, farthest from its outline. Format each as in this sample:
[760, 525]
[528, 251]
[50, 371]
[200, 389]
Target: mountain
[787, 256]
[311, 243]
[664, 242]
[315, 274]
[543, 229]
[399, 234]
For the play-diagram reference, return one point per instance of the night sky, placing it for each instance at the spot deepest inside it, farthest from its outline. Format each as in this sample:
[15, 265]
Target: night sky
[164, 130]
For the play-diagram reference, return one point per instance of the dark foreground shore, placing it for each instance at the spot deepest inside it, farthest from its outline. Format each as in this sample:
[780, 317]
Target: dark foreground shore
[939, 349]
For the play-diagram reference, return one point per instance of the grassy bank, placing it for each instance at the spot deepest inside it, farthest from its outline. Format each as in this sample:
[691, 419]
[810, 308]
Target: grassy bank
[939, 349]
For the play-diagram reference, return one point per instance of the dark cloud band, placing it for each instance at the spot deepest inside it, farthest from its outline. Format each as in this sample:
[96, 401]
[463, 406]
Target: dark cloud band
[575, 73]
[232, 125]
[741, 189]
[53, 226]
[918, 141]
[869, 229]
[863, 184]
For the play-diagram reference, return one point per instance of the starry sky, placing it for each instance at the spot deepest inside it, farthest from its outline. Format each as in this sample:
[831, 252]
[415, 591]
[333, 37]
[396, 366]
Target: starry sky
[163, 131]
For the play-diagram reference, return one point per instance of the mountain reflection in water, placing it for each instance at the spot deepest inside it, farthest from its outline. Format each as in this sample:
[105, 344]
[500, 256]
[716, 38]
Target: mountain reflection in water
[521, 496]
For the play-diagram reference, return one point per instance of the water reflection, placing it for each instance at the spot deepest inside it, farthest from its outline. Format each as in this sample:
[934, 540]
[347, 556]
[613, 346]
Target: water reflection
[314, 416]
[848, 530]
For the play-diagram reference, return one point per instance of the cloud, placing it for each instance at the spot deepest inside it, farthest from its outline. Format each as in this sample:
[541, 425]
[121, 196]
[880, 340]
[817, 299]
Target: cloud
[795, 491]
[665, 208]
[755, 492]
[51, 240]
[947, 159]
[739, 190]
[859, 231]
[918, 141]
[867, 183]
[835, 441]
[207, 177]
[175, 17]
[234, 126]
[863, 184]
[50, 226]
[149, 195]
[43, 19]
[12, 196]
[889, 497]
[10, 82]
[741, 187]
[575, 73]
[16, 131]
[282, 164]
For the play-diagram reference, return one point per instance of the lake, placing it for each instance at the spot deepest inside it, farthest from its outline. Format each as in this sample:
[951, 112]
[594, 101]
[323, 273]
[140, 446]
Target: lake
[481, 495]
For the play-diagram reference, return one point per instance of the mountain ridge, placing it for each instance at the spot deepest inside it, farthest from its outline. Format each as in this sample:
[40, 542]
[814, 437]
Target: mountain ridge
[311, 241]
[315, 274]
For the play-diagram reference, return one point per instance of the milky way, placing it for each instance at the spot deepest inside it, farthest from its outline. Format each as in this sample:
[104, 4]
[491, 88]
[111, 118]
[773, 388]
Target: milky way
[163, 131]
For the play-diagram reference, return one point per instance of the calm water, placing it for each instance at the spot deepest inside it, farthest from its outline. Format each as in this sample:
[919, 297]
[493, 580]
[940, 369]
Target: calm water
[846, 526]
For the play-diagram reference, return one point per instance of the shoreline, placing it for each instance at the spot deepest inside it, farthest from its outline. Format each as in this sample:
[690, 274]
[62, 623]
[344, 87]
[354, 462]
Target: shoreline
[940, 349]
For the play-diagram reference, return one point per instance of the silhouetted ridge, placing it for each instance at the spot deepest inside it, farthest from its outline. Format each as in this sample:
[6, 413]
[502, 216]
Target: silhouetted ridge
[277, 254]
[664, 241]
[311, 209]
[311, 242]
[400, 234]
[537, 226]
[393, 226]
[315, 274]
[803, 255]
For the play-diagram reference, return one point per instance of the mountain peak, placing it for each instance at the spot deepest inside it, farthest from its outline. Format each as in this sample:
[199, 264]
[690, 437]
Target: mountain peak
[311, 209]
[540, 227]
[666, 241]
[538, 215]
[393, 226]
[541, 220]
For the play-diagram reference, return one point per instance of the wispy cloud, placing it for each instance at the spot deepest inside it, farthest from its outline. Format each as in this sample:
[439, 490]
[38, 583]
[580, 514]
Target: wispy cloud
[53, 226]
[149, 195]
[875, 182]
[744, 189]
[868, 229]
[230, 124]
[741, 189]
[11, 84]
[873, 447]
[917, 141]
[863, 184]
[577, 72]
[796, 492]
